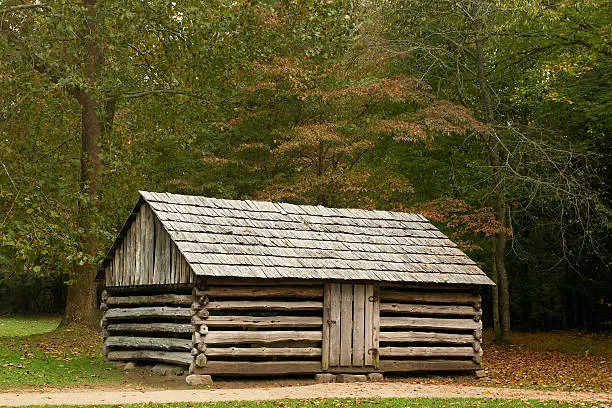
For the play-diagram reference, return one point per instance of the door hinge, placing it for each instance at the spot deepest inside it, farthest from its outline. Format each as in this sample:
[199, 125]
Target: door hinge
[372, 298]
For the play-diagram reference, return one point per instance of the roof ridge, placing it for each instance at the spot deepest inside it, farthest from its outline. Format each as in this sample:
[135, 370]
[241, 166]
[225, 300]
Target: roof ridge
[283, 207]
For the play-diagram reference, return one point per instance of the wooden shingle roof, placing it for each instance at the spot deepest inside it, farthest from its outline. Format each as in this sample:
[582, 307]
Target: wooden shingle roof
[254, 239]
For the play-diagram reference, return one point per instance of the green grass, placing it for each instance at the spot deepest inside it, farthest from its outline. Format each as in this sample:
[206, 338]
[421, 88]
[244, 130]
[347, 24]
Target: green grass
[28, 325]
[369, 402]
[67, 356]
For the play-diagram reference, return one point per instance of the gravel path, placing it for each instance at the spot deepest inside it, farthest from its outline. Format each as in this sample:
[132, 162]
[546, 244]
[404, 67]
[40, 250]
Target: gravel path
[361, 390]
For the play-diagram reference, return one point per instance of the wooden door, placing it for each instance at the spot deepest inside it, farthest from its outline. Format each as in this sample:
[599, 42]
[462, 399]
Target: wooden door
[350, 326]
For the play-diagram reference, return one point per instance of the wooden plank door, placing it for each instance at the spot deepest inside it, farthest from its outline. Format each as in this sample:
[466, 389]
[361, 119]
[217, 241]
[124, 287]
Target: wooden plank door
[350, 326]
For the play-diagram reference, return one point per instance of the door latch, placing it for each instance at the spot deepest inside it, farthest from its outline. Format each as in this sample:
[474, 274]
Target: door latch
[330, 322]
[373, 351]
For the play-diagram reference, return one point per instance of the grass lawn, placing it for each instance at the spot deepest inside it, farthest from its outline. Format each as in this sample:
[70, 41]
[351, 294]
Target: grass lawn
[34, 352]
[375, 402]
[28, 325]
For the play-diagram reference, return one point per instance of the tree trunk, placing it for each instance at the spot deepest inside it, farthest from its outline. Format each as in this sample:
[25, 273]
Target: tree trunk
[499, 243]
[81, 305]
[495, 295]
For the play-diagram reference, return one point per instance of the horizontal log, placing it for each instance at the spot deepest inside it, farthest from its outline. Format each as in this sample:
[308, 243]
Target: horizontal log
[263, 352]
[165, 299]
[460, 298]
[427, 365]
[266, 337]
[427, 323]
[263, 292]
[407, 308]
[426, 337]
[182, 328]
[427, 352]
[155, 343]
[267, 321]
[259, 368]
[147, 312]
[264, 305]
[170, 357]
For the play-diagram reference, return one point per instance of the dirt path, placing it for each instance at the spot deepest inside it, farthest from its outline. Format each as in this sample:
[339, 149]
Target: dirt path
[361, 390]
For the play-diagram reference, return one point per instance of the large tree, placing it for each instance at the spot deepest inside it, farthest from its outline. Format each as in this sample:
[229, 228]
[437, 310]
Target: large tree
[82, 67]
[476, 53]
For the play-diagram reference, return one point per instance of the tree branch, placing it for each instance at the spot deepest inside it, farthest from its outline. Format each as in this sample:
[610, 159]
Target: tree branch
[22, 7]
[162, 91]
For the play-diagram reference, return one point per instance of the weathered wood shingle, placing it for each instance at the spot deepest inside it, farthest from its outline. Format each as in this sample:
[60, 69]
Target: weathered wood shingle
[253, 239]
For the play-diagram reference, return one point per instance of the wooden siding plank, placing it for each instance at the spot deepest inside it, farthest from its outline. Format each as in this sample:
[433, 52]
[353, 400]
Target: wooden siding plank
[136, 237]
[142, 280]
[122, 261]
[150, 243]
[161, 257]
[326, 327]
[376, 326]
[368, 325]
[336, 321]
[172, 264]
[358, 325]
[127, 257]
[346, 326]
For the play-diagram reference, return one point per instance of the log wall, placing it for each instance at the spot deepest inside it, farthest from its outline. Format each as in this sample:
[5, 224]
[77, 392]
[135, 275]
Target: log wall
[153, 326]
[429, 329]
[257, 329]
[147, 255]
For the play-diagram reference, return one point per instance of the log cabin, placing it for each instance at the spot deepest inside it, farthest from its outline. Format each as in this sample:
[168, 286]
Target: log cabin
[244, 288]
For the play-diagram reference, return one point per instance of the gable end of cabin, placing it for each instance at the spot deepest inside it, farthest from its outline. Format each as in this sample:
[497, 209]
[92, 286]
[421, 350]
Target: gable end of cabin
[145, 255]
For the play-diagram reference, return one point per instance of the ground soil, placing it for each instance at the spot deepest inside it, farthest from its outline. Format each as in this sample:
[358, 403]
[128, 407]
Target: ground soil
[171, 389]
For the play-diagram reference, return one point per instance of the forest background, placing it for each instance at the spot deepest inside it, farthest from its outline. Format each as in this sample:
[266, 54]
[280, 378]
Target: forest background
[490, 118]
